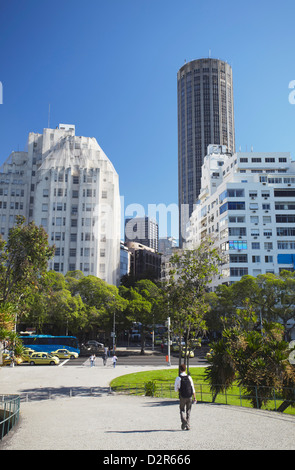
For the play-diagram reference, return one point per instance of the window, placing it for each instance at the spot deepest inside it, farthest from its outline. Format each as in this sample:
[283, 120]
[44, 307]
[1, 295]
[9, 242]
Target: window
[44, 207]
[289, 245]
[238, 272]
[269, 259]
[237, 245]
[270, 160]
[73, 251]
[237, 231]
[267, 233]
[45, 192]
[236, 206]
[285, 206]
[75, 179]
[238, 258]
[256, 160]
[285, 219]
[266, 207]
[74, 209]
[285, 232]
[268, 245]
[235, 219]
[253, 206]
[255, 259]
[255, 245]
[235, 193]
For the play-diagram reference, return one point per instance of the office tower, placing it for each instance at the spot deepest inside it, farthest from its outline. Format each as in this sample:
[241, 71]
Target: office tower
[68, 185]
[143, 230]
[247, 207]
[205, 116]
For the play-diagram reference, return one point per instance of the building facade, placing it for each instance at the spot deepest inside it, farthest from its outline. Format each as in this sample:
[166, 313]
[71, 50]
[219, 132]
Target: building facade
[145, 263]
[67, 184]
[205, 116]
[143, 230]
[247, 207]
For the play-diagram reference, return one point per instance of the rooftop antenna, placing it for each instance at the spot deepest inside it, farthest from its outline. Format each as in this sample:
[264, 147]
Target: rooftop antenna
[209, 53]
[49, 116]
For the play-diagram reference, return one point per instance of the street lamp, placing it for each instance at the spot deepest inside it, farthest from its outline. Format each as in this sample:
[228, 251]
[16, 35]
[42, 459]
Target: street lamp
[168, 325]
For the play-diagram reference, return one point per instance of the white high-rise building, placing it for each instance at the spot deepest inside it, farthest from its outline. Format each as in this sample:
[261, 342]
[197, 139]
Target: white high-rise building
[67, 184]
[247, 206]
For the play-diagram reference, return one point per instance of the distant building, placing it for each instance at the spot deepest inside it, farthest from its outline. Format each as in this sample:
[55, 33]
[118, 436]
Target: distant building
[143, 230]
[144, 262]
[124, 260]
[205, 116]
[166, 245]
[68, 185]
[247, 207]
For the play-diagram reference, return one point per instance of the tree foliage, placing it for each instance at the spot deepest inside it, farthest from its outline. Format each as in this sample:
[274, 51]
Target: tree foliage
[190, 275]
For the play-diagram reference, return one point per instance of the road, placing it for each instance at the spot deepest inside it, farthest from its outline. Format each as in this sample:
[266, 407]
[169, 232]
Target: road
[132, 356]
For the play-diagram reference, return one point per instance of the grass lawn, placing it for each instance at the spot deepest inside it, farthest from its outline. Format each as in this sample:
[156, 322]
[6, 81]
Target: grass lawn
[135, 384]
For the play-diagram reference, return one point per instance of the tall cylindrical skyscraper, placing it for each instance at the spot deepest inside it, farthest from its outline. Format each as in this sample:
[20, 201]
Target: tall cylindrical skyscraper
[205, 116]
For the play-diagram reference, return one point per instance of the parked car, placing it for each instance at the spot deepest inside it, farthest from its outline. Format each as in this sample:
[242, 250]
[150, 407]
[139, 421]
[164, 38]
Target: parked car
[94, 344]
[65, 354]
[43, 358]
[7, 359]
[189, 353]
[27, 352]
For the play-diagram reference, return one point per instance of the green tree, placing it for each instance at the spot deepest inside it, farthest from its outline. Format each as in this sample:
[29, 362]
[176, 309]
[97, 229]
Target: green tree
[256, 361]
[23, 260]
[186, 289]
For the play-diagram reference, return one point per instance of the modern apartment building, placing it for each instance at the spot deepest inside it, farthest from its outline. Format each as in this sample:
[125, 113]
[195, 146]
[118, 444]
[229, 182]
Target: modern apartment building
[67, 184]
[247, 206]
[143, 230]
[205, 116]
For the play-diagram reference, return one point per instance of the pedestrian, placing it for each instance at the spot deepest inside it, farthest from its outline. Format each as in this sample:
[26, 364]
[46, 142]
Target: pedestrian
[92, 360]
[185, 386]
[104, 358]
[114, 360]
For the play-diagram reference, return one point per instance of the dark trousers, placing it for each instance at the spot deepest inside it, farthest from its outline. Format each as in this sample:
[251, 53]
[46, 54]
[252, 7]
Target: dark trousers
[185, 406]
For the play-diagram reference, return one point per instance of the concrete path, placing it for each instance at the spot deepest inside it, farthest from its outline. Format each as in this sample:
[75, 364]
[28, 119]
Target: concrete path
[116, 422]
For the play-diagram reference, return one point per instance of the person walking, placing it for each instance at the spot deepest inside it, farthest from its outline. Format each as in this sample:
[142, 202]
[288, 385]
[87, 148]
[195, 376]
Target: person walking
[114, 360]
[185, 386]
[92, 360]
[104, 358]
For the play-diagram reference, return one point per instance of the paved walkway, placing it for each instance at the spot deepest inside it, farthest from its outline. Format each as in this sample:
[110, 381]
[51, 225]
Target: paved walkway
[116, 422]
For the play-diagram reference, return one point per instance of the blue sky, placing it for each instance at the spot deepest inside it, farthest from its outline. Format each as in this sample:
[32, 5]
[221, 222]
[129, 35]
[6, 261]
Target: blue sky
[110, 67]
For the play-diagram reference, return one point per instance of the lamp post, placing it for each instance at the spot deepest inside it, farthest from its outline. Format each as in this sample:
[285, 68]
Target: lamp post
[114, 332]
[168, 325]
